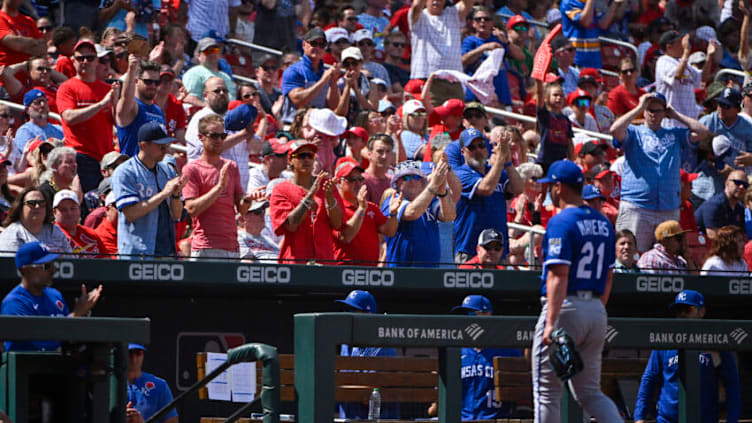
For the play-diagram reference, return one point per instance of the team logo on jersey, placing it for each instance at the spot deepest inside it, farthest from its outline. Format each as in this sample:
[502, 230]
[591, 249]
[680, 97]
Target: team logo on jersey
[60, 305]
[474, 331]
[149, 385]
[739, 335]
[554, 246]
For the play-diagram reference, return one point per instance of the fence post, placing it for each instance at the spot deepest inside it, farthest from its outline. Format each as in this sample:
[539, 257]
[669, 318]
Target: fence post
[689, 386]
[450, 384]
[570, 410]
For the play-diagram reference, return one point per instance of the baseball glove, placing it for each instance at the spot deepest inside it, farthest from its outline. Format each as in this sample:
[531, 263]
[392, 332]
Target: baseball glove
[563, 355]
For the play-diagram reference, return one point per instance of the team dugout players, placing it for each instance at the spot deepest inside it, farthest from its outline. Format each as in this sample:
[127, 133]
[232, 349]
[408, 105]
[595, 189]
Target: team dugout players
[578, 251]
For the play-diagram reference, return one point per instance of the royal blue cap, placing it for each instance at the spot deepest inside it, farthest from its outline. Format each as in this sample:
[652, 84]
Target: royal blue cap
[591, 191]
[213, 34]
[468, 135]
[32, 95]
[33, 253]
[360, 300]
[474, 303]
[240, 117]
[154, 132]
[688, 297]
[660, 97]
[565, 171]
[136, 347]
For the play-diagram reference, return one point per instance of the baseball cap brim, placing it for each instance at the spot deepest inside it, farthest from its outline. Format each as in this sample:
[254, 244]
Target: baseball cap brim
[166, 140]
[136, 347]
[46, 258]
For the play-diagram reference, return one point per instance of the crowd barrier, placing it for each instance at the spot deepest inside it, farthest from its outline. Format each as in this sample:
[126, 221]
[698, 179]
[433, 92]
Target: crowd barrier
[317, 336]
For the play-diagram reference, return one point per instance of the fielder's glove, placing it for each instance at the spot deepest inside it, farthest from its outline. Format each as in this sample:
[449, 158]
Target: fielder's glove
[563, 355]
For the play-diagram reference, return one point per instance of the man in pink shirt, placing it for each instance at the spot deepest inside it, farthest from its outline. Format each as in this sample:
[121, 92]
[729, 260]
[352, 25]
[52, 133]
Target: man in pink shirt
[213, 193]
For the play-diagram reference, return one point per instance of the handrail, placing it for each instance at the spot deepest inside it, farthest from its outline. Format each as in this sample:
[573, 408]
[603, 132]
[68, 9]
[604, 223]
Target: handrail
[729, 71]
[531, 119]
[608, 72]
[21, 108]
[244, 79]
[254, 46]
[530, 21]
[621, 43]
[525, 228]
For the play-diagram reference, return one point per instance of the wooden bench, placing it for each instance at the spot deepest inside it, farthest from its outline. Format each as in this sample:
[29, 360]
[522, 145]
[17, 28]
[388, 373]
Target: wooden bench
[620, 380]
[399, 379]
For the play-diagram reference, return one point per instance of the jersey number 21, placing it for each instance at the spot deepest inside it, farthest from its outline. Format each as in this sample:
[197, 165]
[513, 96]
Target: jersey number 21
[584, 268]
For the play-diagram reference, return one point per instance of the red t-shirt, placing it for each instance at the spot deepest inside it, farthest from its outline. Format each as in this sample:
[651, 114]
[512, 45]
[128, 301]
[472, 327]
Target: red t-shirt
[94, 218]
[313, 238]
[20, 25]
[687, 216]
[86, 241]
[64, 65]
[527, 219]
[474, 263]
[174, 114]
[748, 254]
[94, 136]
[649, 13]
[107, 233]
[215, 227]
[620, 100]
[364, 248]
[376, 187]
[435, 130]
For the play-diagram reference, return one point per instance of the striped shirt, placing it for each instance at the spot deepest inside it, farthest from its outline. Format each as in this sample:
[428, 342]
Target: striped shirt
[436, 42]
[585, 40]
[205, 15]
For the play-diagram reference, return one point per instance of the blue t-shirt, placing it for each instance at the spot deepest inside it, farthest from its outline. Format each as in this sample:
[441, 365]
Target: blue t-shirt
[478, 212]
[148, 394]
[416, 243]
[412, 143]
[739, 133]
[501, 85]
[128, 135]
[662, 372]
[301, 75]
[477, 374]
[21, 302]
[29, 131]
[651, 178]
[716, 213]
[582, 239]
[585, 40]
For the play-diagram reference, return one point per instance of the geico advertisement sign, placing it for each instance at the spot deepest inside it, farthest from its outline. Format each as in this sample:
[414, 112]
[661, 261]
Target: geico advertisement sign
[659, 284]
[263, 274]
[358, 277]
[468, 280]
[156, 272]
[64, 270]
[740, 287]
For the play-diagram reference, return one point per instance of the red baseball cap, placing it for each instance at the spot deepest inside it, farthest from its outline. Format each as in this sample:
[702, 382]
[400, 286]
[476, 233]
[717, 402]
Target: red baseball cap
[591, 72]
[516, 19]
[415, 88]
[358, 132]
[345, 166]
[451, 107]
[578, 93]
[298, 145]
[84, 43]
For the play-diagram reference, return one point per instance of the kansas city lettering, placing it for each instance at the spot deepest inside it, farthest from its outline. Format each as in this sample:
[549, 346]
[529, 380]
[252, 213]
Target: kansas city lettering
[419, 333]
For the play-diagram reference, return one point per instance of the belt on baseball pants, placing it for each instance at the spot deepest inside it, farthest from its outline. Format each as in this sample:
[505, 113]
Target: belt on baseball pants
[583, 295]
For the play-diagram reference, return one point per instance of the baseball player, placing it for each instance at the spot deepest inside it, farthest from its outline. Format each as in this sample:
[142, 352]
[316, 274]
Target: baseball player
[662, 372]
[578, 251]
[147, 393]
[477, 369]
[358, 301]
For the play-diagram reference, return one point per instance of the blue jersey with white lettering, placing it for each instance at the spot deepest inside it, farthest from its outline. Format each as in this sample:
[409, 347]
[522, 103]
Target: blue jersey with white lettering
[128, 135]
[21, 302]
[583, 239]
[148, 394]
[662, 372]
[477, 375]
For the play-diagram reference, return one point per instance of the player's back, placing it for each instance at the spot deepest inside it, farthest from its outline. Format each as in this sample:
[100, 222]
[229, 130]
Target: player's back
[583, 239]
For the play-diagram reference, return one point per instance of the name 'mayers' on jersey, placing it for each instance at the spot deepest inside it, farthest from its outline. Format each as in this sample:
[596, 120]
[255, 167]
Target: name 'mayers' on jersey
[583, 239]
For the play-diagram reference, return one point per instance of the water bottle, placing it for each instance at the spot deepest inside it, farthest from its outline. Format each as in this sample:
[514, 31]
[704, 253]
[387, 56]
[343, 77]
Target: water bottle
[374, 405]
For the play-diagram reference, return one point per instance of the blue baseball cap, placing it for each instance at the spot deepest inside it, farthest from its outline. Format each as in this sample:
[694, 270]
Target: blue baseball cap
[360, 300]
[688, 297]
[213, 34]
[660, 97]
[474, 303]
[32, 95]
[563, 171]
[591, 191]
[154, 132]
[240, 117]
[33, 253]
[132, 347]
[469, 135]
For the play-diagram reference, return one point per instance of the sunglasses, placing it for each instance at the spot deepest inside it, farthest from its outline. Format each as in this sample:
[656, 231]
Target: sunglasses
[44, 28]
[387, 113]
[483, 19]
[45, 266]
[494, 246]
[350, 63]
[352, 18]
[249, 95]
[567, 49]
[304, 156]
[220, 90]
[354, 179]
[368, 43]
[418, 114]
[216, 135]
[318, 44]
[269, 68]
[740, 183]
[212, 50]
[150, 82]
[725, 106]
[475, 146]
[474, 115]
[342, 42]
[398, 45]
[656, 111]
[626, 71]
[88, 58]
[258, 212]
[408, 178]
[4, 115]
[44, 69]
[35, 203]
[582, 102]
[104, 60]
[520, 28]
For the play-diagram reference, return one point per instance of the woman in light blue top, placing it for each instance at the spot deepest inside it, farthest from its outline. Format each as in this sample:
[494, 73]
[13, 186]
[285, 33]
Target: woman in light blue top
[415, 133]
